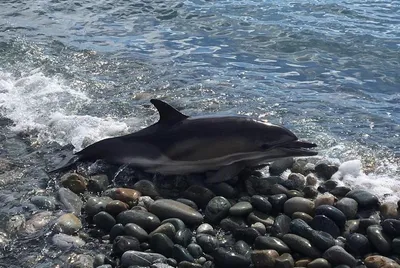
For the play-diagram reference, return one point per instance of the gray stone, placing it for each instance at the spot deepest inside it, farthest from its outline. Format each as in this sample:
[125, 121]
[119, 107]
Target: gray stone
[144, 219]
[70, 201]
[96, 204]
[168, 208]
[364, 199]
[131, 258]
[270, 242]
[68, 224]
[298, 204]
[319, 263]
[336, 255]
[284, 261]
[241, 209]
[44, 202]
[64, 241]
[348, 206]
[301, 245]
[135, 230]
[217, 209]
[379, 239]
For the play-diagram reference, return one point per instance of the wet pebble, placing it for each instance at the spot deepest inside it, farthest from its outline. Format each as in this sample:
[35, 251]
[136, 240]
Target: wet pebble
[64, 241]
[298, 204]
[97, 183]
[96, 204]
[225, 258]
[324, 199]
[81, 261]
[168, 208]
[135, 230]
[310, 192]
[217, 209]
[162, 244]
[104, 221]
[183, 237]
[325, 224]
[378, 261]
[391, 227]
[115, 207]
[264, 258]
[357, 244]
[319, 263]
[37, 222]
[75, 182]
[165, 228]
[178, 223]
[279, 166]
[295, 181]
[301, 245]
[15, 224]
[187, 264]
[261, 203]
[364, 199]
[116, 230]
[340, 191]
[348, 206]
[396, 245]
[68, 224]
[231, 223]
[270, 242]
[205, 228]
[246, 234]
[144, 219]
[132, 258]
[224, 189]
[199, 194]
[44, 202]
[70, 201]
[180, 253]
[195, 250]
[326, 171]
[242, 248]
[277, 202]
[188, 202]
[241, 209]
[124, 243]
[126, 195]
[379, 239]
[281, 225]
[333, 213]
[207, 242]
[257, 216]
[147, 188]
[259, 227]
[301, 215]
[336, 255]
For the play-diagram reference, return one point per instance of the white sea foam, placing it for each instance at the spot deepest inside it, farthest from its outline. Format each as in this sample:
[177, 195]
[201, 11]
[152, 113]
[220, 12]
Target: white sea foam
[47, 106]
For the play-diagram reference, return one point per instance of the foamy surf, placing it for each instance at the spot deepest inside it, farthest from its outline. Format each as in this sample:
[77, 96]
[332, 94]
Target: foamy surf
[49, 108]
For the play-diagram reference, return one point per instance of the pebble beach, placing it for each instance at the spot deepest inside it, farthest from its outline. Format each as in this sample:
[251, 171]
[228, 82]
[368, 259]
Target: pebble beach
[292, 213]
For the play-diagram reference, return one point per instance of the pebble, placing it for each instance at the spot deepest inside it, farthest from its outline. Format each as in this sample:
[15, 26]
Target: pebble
[396, 245]
[340, 191]
[246, 234]
[270, 242]
[179, 253]
[147, 188]
[261, 203]
[144, 219]
[277, 201]
[205, 228]
[187, 264]
[231, 223]
[226, 258]
[325, 224]
[67, 224]
[178, 223]
[70, 201]
[44, 202]
[115, 207]
[284, 261]
[168, 208]
[364, 199]
[295, 181]
[378, 261]
[348, 206]
[165, 228]
[80, 261]
[281, 225]
[301, 215]
[389, 210]
[198, 194]
[124, 243]
[37, 222]
[126, 195]
[161, 243]
[322, 240]
[336, 255]
[95, 205]
[326, 171]
[257, 216]
[242, 248]
[241, 209]
[131, 258]
[207, 242]
[104, 221]
[333, 213]
[303, 262]
[97, 183]
[301, 245]
[264, 258]
[15, 224]
[260, 227]
[298, 204]
[357, 244]
[145, 201]
[135, 230]
[324, 199]
[183, 237]
[75, 182]
[311, 179]
[310, 192]
[319, 263]
[224, 189]
[391, 227]
[117, 230]
[195, 250]
[279, 166]
[380, 240]
[217, 209]
[64, 241]
[188, 202]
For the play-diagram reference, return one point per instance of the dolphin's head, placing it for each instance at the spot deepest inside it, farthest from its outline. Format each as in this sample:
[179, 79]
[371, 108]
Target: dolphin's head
[280, 142]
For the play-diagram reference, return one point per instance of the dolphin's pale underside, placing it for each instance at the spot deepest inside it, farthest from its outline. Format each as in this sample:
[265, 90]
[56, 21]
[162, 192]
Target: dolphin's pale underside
[178, 144]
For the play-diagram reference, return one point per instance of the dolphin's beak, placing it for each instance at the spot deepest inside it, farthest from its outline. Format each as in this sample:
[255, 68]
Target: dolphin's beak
[298, 148]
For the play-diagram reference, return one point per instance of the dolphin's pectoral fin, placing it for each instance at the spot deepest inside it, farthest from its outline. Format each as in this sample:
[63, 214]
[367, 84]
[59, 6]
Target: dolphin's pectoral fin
[226, 173]
[168, 114]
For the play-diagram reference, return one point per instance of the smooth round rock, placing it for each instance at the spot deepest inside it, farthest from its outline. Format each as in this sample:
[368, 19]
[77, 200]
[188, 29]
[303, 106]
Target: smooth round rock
[326, 171]
[217, 209]
[301, 215]
[126, 195]
[281, 225]
[264, 258]
[144, 219]
[97, 183]
[44, 202]
[260, 227]
[241, 209]
[135, 230]
[71, 202]
[231, 223]
[284, 261]
[146, 188]
[311, 179]
[364, 199]
[257, 216]
[277, 167]
[301, 245]
[75, 182]
[246, 234]
[67, 224]
[165, 228]
[124, 243]
[277, 202]
[115, 207]
[325, 224]
[207, 242]
[261, 203]
[298, 204]
[116, 230]
[242, 248]
[205, 228]
[162, 244]
[104, 221]
[64, 241]
[183, 237]
[333, 213]
[37, 222]
[180, 253]
[380, 240]
[348, 206]
[310, 192]
[132, 258]
[178, 223]
[319, 263]
[198, 194]
[224, 189]
[295, 181]
[195, 250]
[96, 204]
[324, 199]
[391, 227]
[321, 240]
[270, 242]
[168, 208]
[340, 191]
[188, 202]
[396, 245]
[378, 261]
[389, 210]
[357, 244]
[336, 255]
[226, 258]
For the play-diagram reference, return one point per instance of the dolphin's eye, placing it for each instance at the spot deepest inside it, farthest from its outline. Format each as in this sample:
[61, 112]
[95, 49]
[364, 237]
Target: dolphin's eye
[265, 146]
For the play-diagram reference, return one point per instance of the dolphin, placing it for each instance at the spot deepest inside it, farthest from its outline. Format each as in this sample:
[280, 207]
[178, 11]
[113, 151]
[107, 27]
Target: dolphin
[179, 145]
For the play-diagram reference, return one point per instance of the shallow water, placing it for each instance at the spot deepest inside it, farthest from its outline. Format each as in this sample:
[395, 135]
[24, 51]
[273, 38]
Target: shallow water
[78, 71]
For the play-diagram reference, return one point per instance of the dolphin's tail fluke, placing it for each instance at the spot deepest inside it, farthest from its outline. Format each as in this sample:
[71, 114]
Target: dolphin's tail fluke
[66, 163]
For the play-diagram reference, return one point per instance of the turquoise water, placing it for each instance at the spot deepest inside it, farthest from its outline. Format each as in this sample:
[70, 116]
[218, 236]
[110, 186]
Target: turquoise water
[73, 72]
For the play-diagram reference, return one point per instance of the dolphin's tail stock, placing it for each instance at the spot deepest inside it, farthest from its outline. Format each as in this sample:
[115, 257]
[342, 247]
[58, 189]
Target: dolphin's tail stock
[66, 163]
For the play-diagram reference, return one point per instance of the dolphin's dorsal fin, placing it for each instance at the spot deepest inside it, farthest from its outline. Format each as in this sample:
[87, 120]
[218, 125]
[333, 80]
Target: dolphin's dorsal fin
[168, 114]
